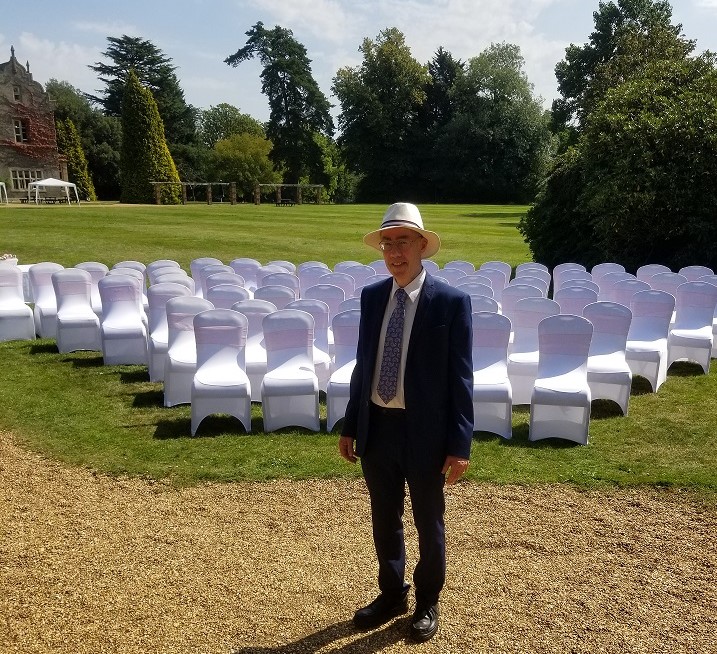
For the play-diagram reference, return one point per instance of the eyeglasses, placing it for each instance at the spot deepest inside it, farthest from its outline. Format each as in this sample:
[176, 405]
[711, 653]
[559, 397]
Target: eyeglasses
[401, 245]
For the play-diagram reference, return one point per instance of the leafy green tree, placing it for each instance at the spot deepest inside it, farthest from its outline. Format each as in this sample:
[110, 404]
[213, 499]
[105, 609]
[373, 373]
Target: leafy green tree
[578, 74]
[497, 144]
[381, 103]
[156, 72]
[639, 186]
[224, 120]
[245, 159]
[69, 144]
[145, 156]
[101, 136]
[298, 108]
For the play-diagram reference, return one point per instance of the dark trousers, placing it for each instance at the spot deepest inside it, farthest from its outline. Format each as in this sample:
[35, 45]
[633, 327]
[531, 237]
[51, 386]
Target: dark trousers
[388, 465]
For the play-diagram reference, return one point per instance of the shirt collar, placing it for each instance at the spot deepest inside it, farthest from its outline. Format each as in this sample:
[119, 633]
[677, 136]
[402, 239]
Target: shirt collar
[413, 288]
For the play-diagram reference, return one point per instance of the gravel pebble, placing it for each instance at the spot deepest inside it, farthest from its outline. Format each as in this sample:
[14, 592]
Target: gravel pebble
[94, 564]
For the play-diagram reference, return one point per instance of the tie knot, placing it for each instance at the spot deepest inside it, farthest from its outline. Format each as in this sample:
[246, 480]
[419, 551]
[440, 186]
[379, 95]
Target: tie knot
[401, 296]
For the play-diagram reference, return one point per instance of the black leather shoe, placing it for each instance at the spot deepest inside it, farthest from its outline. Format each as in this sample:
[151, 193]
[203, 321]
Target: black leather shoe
[424, 623]
[381, 610]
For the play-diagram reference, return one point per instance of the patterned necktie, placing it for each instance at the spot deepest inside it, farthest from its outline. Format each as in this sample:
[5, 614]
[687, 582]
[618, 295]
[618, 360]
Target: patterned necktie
[391, 361]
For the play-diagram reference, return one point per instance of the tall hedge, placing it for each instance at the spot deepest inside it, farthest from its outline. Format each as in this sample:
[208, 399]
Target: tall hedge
[69, 144]
[145, 157]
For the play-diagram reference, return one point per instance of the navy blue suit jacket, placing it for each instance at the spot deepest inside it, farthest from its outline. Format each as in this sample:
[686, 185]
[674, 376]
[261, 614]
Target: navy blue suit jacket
[438, 379]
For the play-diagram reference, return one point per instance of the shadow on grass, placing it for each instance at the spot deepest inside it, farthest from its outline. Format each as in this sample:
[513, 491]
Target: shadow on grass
[135, 376]
[685, 369]
[44, 348]
[148, 399]
[375, 641]
[85, 361]
[210, 427]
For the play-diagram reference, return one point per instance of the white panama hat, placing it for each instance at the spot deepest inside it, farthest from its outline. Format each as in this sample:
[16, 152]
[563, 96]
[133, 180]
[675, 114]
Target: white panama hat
[403, 214]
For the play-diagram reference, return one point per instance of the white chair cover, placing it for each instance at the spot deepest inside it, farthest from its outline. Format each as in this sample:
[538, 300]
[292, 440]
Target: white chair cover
[255, 353]
[16, 318]
[492, 392]
[97, 271]
[224, 278]
[379, 265]
[268, 269]
[225, 296]
[523, 351]
[290, 388]
[158, 264]
[157, 296]
[452, 276]
[279, 296]
[220, 384]
[599, 270]
[608, 281]
[342, 265]
[624, 290]
[195, 266]
[483, 303]
[332, 295]
[349, 304]
[477, 278]
[573, 299]
[560, 404]
[475, 288]
[667, 281]
[503, 266]
[309, 276]
[342, 280]
[282, 263]
[320, 312]
[290, 280]
[180, 277]
[248, 269]
[581, 283]
[43, 293]
[644, 273]
[498, 281]
[458, 264]
[311, 264]
[78, 327]
[345, 326]
[430, 266]
[200, 281]
[561, 268]
[691, 337]
[529, 280]
[123, 332]
[359, 273]
[541, 274]
[181, 362]
[570, 275]
[609, 376]
[693, 273]
[530, 264]
[646, 350]
[512, 294]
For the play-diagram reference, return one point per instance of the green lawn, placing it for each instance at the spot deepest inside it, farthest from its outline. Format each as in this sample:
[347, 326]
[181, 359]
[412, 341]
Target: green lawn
[111, 419]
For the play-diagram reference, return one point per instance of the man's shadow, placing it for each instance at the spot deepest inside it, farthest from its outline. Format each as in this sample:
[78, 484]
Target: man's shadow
[373, 641]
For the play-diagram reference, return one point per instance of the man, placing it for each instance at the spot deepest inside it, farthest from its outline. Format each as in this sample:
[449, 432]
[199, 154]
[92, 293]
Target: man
[410, 413]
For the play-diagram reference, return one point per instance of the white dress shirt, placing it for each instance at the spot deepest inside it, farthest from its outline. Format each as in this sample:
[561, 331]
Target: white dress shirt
[413, 290]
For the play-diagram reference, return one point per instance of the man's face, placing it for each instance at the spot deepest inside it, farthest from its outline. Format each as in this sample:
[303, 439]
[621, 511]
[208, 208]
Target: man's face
[402, 253]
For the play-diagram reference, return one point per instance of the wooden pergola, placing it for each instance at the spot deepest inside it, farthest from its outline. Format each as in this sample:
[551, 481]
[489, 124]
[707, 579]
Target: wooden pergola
[232, 190]
[278, 187]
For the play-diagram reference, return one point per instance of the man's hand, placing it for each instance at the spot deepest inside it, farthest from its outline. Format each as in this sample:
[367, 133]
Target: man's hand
[346, 449]
[455, 467]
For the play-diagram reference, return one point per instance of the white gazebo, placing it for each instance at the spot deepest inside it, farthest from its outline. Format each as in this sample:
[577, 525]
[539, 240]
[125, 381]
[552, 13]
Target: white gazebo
[57, 186]
[3, 192]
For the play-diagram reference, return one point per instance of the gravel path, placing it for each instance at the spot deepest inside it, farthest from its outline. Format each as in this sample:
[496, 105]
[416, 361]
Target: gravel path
[94, 564]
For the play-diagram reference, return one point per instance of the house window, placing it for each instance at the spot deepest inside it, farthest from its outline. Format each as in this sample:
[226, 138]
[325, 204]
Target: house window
[20, 131]
[21, 178]
[16, 93]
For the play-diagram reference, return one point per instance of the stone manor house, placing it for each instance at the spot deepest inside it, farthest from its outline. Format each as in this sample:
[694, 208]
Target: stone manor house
[28, 140]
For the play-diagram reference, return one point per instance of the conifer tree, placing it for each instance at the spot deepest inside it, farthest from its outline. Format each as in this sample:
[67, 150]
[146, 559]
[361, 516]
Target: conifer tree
[145, 157]
[69, 144]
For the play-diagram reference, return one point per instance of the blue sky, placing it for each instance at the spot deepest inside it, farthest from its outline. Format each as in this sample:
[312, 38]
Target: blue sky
[199, 34]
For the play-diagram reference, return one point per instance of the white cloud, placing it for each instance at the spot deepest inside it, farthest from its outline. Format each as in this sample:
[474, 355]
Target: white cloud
[707, 4]
[115, 28]
[58, 59]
